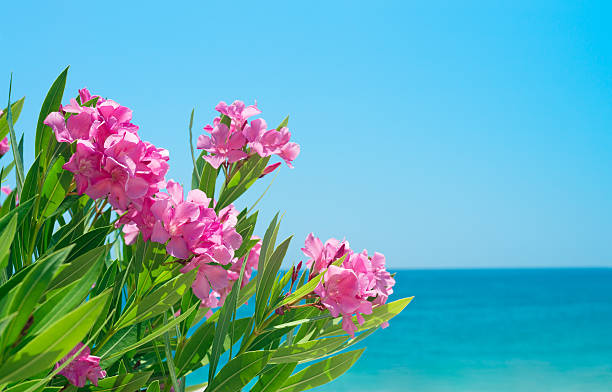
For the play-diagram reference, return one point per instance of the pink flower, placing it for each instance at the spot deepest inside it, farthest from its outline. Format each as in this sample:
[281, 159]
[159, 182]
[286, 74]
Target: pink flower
[321, 256]
[110, 159]
[268, 142]
[223, 144]
[177, 220]
[85, 164]
[342, 292]
[238, 112]
[353, 287]
[4, 146]
[6, 190]
[82, 368]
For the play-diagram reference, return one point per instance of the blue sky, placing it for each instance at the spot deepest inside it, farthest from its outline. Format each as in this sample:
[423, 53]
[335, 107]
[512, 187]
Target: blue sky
[451, 134]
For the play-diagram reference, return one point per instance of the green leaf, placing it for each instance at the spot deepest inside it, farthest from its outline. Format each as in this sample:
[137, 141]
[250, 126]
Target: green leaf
[17, 152]
[75, 270]
[42, 352]
[195, 349]
[56, 186]
[153, 387]
[6, 239]
[380, 314]
[208, 179]
[122, 383]
[239, 371]
[268, 277]
[71, 294]
[321, 372]
[191, 140]
[225, 316]
[91, 239]
[150, 336]
[44, 143]
[267, 243]
[283, 124]
[274, 377]
[158, 301]
[242, 180]
[15, 111]
[309, 351]
[30, 290]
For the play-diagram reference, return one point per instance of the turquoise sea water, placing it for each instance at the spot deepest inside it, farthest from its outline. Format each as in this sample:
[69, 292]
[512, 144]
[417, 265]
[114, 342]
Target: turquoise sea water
[491, 330]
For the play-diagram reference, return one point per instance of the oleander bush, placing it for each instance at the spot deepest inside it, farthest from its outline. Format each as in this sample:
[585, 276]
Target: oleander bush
[113, 277]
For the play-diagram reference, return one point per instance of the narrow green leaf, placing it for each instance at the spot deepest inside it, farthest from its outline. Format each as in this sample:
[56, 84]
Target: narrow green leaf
[122, 383]
[15, 111]
[321, 372]
[283, 124]
[153, 387]
[42, 352]
[196, 347]
[30, 290]
[17, 154]
[380, 314]
[273, 378]
[6, 239]
[268, 278]
[51, 103]
[158, 301]
[56, 186]
[148, 337]
[309, 351]
[75, 270]
[239, 371]
[225, 316]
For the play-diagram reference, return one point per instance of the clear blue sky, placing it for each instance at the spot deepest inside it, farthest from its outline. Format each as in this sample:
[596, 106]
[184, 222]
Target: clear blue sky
[452, 134]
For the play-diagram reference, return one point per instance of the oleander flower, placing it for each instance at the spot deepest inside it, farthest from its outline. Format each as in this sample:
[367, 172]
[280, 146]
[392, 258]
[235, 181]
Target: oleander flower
[322, 255]
[224, 144]
[352, 287]
[344, 293]
[238, 112]
[82, 368]
[271, 142]
[110, 159]
[4, 146]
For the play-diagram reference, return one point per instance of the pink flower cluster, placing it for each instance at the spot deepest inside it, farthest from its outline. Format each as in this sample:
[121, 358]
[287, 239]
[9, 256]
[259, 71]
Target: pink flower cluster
[192, 230]
[229, 144]
[82, 368]
[353, 287]
[110, 159]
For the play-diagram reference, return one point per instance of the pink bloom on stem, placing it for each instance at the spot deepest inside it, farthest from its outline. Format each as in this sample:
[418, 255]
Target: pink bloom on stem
[4, 146]
[223, 144]
[342, 293]
[85, 164]
[82, 368]
[238, 111]
[321, 256]
[177, 220]
[6, 190]
[268, 142]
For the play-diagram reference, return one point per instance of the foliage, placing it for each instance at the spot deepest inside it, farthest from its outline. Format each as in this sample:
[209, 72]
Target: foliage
[71, 282]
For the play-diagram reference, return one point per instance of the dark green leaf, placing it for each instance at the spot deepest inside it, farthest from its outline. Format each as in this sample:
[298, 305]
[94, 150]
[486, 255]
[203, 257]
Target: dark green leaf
[239, 371]
[42, 352]
[321, 372]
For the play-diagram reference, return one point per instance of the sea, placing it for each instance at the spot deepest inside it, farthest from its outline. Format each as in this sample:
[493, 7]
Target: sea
[492, 330]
